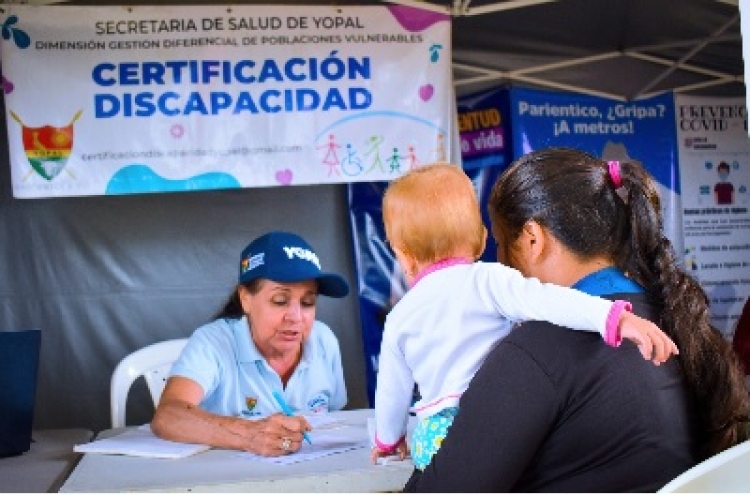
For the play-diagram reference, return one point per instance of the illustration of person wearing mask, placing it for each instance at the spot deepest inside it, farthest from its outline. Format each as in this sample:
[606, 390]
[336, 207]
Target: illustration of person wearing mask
[723, 190]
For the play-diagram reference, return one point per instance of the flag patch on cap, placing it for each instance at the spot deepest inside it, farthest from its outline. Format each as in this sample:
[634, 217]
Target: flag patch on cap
[252, 262]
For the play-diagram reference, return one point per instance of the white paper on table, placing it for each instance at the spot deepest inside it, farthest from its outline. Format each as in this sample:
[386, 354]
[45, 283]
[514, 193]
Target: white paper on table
[324, 421]
[141, 442]
[318, 420]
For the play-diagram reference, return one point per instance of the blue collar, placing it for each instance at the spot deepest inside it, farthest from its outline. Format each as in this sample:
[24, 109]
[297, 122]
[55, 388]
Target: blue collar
[608, 280]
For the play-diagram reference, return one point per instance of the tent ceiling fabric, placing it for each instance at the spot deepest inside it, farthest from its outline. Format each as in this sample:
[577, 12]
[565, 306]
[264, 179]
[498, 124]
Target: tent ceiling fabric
[621, 49]
[625, 49]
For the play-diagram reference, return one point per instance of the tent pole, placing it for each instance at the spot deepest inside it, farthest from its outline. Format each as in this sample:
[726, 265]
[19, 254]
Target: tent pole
[686, 57]
[498, 7]
[421, 5]
[691, 87]
[687, 67]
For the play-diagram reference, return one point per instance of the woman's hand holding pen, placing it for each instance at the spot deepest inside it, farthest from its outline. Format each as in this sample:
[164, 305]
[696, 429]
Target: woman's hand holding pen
[275, 435]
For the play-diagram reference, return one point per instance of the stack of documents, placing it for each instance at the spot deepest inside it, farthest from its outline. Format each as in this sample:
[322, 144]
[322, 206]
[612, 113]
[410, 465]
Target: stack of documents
[140, 442]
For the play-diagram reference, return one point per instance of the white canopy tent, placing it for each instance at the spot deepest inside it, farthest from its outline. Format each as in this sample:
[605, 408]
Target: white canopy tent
[103, 276]
[621, 49]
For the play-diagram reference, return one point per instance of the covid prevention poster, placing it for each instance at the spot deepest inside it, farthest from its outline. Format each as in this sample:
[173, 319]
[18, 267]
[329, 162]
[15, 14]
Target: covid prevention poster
[714, 156]
[141, 99]
[640, 131]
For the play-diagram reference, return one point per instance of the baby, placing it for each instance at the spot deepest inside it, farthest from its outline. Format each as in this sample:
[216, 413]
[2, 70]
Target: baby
[457, 308]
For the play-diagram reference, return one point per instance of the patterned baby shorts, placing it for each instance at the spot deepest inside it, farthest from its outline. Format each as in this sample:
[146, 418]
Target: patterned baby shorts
[428, 435]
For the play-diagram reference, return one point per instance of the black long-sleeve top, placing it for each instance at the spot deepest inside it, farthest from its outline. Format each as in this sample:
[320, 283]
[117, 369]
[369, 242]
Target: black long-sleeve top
[554, 410]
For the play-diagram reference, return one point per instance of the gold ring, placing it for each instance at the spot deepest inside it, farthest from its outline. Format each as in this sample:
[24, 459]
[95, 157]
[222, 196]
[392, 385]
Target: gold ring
[286, 444]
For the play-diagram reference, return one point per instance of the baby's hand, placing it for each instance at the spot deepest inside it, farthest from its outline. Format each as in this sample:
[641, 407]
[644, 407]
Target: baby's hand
[400, 450]
[651, 341]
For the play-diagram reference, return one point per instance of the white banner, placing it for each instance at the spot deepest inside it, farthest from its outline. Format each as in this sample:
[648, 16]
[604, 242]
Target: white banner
[745, 30]
[124, 100]
[714, 155]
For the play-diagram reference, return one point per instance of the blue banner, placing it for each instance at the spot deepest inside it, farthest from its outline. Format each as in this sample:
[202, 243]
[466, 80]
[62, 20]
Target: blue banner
[641, 131]
[484, 129]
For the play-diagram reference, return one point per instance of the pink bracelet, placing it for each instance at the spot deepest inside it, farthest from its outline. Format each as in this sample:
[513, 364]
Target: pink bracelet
[388, 449]
[612, 333]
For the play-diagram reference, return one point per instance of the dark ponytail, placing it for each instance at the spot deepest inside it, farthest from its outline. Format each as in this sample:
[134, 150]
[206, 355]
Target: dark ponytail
[616, 213]
[711, 368]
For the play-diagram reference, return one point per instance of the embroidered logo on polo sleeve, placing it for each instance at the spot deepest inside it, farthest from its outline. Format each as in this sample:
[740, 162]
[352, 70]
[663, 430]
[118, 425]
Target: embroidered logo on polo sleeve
[318, 404]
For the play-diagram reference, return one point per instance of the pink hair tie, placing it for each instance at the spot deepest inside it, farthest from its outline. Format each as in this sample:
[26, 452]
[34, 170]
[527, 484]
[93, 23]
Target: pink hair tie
[614, 173]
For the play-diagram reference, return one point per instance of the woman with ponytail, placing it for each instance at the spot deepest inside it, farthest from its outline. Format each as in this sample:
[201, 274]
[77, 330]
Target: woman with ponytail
[550, 411]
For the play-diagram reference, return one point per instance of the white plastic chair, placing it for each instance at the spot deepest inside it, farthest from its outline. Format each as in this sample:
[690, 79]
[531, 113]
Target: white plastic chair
[727, 471]
[153, 363]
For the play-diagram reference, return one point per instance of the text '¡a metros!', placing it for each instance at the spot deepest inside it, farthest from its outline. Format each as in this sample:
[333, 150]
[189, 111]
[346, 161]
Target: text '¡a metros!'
[297, 84]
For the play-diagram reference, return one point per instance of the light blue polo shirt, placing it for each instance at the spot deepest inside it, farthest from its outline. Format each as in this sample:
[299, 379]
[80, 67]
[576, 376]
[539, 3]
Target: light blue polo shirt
[237, 381]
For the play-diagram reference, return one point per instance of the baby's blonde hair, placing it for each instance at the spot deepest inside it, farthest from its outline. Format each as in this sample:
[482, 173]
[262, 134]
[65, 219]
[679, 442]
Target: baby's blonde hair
[432, 213]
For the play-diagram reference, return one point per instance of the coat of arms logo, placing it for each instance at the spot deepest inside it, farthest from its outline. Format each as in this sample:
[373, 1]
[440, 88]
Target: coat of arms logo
[47, 148]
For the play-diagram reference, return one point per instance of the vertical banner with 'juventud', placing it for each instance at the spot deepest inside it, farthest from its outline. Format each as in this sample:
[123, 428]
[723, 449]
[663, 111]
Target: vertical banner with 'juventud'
[115, 100]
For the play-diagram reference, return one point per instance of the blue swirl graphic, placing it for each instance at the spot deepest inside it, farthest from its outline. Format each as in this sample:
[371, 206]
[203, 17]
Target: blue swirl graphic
[135, 179]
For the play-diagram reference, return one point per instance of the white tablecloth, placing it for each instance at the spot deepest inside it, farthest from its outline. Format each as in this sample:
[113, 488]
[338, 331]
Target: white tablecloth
[228, 471]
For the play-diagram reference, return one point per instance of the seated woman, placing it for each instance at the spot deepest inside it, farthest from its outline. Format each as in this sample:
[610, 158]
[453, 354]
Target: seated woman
[556, 411]
[223, 389]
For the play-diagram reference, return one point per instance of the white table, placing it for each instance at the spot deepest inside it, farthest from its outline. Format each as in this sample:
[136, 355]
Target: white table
[227, 471]
[44, 467]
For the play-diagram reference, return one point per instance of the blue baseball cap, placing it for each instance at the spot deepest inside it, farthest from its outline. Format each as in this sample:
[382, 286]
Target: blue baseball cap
[286, 257]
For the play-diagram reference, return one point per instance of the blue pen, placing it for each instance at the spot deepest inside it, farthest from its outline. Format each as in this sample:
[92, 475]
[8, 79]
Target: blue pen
[288, 410]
